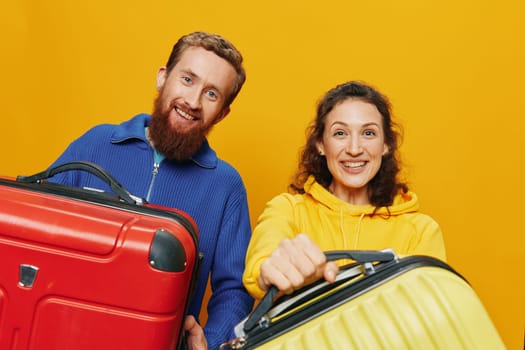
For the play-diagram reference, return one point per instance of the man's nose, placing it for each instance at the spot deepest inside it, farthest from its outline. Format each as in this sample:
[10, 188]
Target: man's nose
[193, 98]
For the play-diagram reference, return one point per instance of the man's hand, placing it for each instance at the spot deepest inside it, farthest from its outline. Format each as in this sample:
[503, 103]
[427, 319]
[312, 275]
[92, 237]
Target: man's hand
[295, 263]
[194, 334]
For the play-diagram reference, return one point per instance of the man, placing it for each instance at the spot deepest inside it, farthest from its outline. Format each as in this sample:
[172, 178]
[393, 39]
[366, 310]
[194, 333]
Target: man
[166, 159]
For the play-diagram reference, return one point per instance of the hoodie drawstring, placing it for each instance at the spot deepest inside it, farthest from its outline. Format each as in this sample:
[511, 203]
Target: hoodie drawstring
[357, 231]
[341, 227]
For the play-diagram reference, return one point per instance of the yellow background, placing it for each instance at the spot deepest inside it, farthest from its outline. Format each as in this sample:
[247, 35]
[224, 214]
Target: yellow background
[454, 71]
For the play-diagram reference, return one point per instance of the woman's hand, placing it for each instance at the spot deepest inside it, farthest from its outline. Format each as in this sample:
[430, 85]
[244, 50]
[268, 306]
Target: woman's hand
[295, 263]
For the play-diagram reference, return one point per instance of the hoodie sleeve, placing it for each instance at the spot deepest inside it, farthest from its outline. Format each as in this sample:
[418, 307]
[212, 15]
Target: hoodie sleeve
[274, 224]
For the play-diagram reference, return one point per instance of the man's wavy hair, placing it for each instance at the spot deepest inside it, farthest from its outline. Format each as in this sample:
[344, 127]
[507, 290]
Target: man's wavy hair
[216, 44]
[385, 184]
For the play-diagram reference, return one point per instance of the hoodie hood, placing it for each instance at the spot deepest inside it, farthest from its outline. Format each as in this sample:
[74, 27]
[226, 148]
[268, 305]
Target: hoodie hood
[403, 202]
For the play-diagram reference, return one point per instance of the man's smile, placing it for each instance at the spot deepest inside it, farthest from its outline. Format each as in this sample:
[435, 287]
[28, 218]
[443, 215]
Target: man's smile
[184, 114]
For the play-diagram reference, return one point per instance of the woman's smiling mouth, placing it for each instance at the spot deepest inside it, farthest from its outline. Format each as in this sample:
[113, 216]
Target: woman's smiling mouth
[353, 165]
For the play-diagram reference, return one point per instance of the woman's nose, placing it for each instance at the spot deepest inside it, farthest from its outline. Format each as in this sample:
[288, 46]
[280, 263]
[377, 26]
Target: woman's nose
[353, 147]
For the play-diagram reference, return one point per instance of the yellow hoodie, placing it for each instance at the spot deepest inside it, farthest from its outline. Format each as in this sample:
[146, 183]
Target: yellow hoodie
[334, 224]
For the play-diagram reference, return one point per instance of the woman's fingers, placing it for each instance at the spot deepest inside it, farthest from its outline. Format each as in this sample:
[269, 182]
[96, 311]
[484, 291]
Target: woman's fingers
[330, 271]
[294, 263]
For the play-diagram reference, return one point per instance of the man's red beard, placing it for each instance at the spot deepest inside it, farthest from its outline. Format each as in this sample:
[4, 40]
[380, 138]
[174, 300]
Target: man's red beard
[173, 143]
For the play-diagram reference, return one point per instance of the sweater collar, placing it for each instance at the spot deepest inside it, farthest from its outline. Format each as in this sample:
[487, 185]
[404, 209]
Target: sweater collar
[134, 129]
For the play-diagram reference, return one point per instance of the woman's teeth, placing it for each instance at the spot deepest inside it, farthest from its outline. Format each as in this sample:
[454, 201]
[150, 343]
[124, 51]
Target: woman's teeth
[353, 164]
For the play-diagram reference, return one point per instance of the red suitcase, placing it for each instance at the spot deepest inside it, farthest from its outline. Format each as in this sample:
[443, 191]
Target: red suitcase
[85, 270]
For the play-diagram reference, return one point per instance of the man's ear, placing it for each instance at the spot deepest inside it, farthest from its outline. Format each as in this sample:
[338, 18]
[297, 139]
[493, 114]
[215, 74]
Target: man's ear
[161, 77]
[222, 114]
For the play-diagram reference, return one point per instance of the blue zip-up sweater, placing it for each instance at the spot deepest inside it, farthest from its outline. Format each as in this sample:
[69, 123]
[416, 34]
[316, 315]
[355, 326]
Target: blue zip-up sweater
[207, 188]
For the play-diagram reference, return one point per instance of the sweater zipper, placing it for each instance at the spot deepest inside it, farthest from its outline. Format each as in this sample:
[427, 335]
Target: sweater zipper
[153, 177]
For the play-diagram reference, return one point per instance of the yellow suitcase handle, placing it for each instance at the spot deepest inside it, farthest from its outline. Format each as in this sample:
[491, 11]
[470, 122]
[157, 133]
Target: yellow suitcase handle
[360, 256]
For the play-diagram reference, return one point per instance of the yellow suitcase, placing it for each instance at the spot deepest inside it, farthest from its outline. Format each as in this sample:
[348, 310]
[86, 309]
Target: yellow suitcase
[380, 302]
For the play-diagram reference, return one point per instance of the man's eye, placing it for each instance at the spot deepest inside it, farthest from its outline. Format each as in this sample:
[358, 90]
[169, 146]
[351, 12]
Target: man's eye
[187, 79]
[212, 94]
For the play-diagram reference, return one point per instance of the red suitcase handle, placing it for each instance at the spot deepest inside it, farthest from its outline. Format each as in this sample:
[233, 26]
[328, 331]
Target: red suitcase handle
[91, 168]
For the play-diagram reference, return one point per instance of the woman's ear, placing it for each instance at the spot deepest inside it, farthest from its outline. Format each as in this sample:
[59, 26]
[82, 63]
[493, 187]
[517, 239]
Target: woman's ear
[385, 149]
[320, 148]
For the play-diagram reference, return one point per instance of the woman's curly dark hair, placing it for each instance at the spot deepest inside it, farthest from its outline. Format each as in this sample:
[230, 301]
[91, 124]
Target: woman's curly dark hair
[385, 184]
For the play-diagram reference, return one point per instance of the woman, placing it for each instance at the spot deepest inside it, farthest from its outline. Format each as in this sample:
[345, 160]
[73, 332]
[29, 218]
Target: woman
[346, 195]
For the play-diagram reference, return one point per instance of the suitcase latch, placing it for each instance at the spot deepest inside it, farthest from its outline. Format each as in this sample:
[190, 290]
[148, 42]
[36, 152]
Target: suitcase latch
[27, 275]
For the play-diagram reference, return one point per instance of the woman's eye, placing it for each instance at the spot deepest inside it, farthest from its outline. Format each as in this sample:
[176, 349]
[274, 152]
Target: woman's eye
[370, 133]
[339, 133]
[186, 79]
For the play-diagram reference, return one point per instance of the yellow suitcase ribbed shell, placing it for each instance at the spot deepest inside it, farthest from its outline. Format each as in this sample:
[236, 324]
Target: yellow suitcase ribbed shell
[423, 308]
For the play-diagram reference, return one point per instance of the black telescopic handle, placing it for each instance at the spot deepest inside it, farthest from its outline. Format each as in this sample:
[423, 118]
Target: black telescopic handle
[89, 167]
[360, 256]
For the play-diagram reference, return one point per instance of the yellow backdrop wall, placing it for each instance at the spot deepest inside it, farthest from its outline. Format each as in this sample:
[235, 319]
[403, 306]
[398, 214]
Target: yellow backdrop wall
[454, 72]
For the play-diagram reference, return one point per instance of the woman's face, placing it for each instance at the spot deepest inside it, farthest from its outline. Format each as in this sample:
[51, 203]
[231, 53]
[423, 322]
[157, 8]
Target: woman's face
[353, 143]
